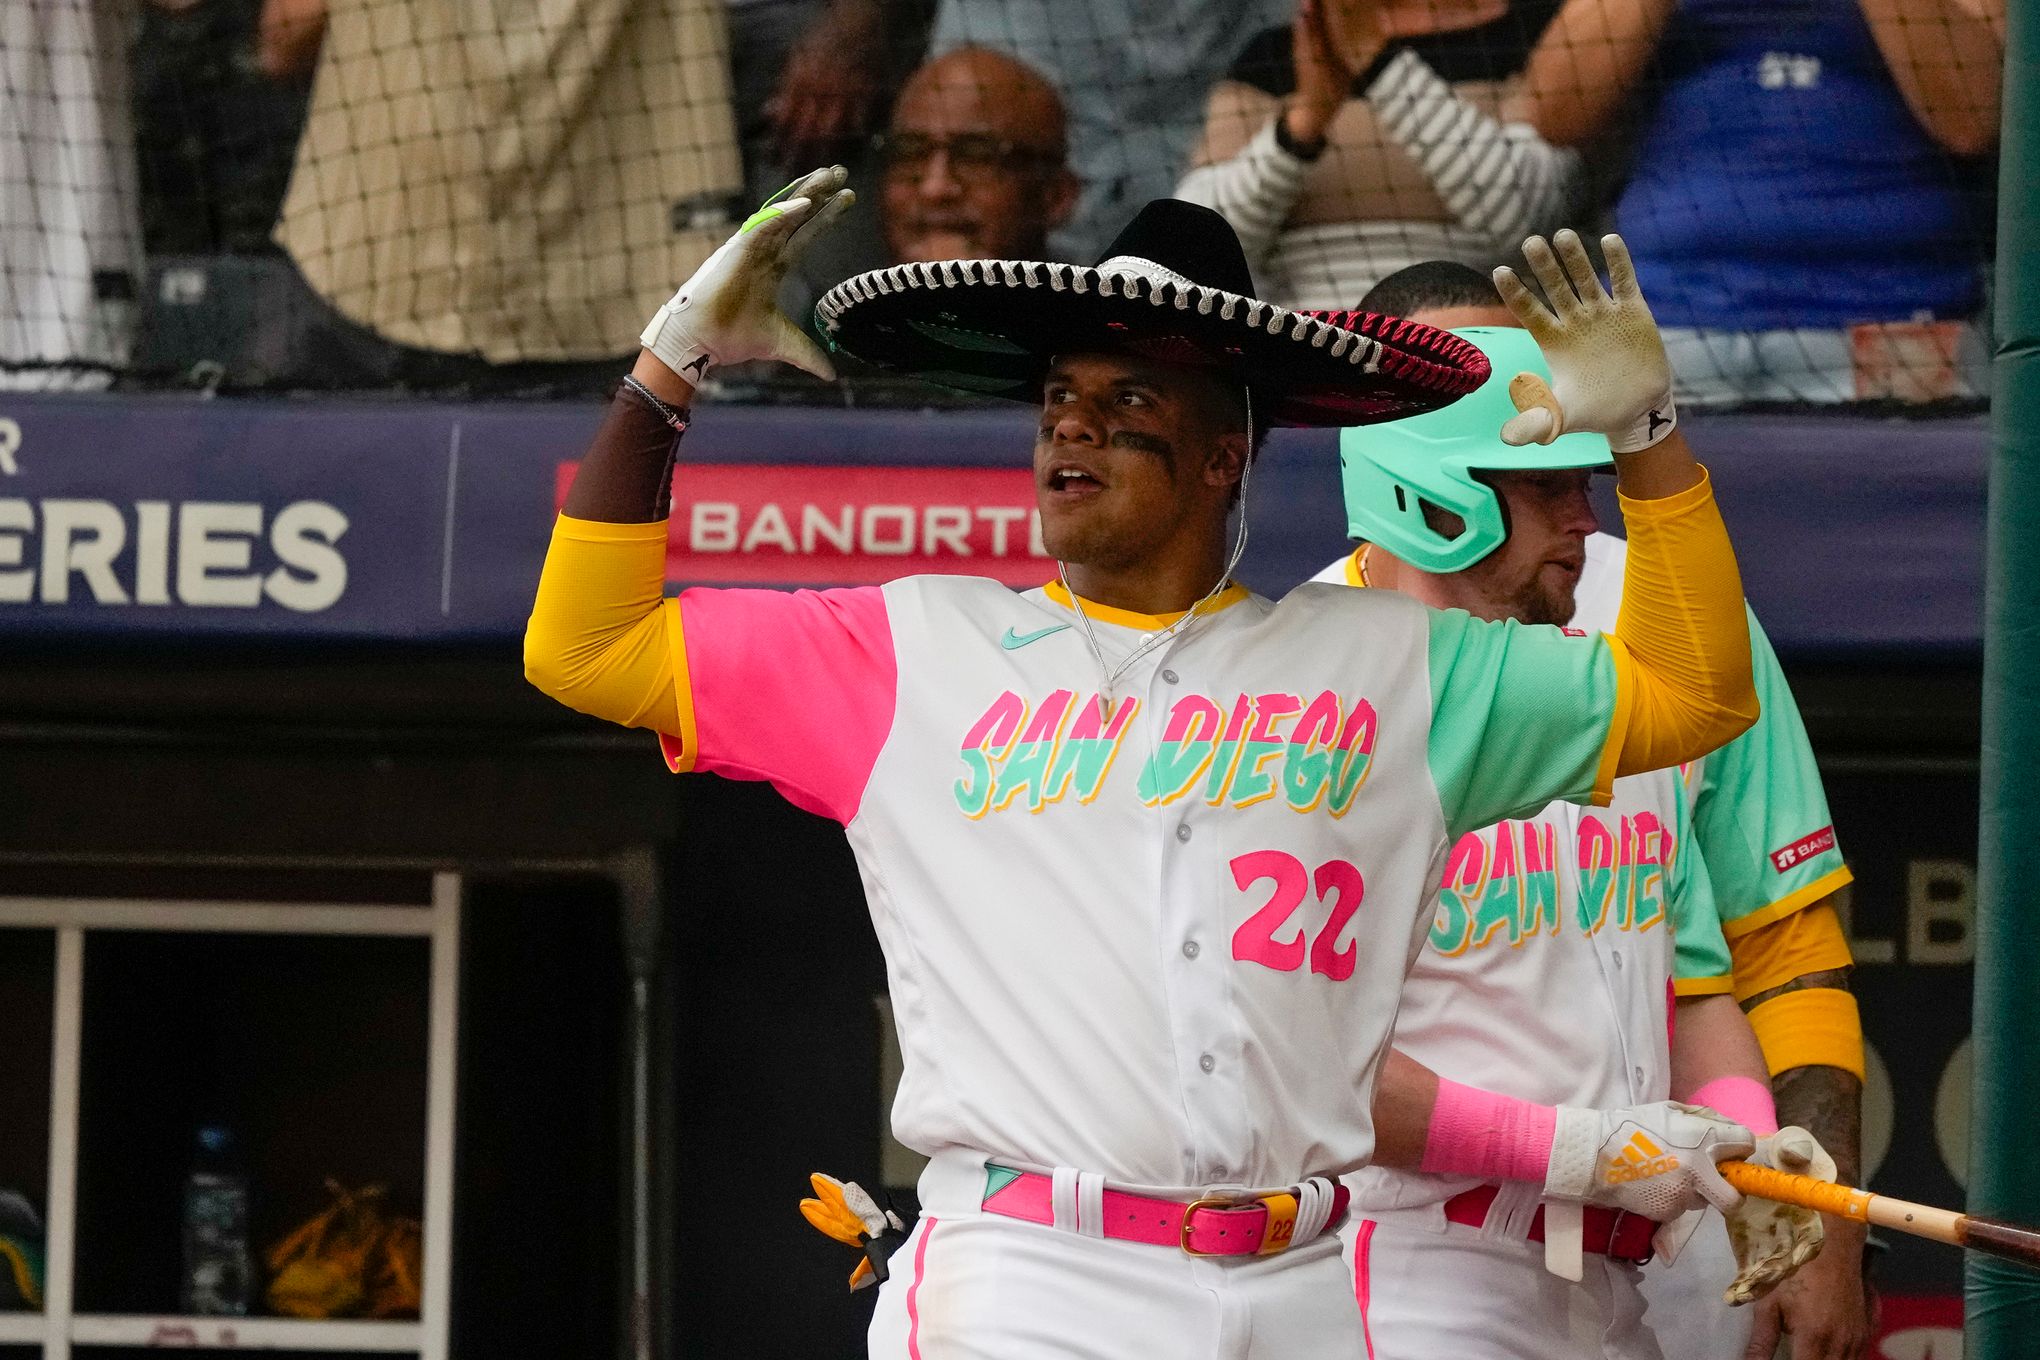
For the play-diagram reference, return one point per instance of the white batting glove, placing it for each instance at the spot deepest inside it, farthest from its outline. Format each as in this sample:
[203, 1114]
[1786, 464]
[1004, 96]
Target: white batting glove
[728, 312]
[1773, 1240]
[1609, 373]
[1656, 1160]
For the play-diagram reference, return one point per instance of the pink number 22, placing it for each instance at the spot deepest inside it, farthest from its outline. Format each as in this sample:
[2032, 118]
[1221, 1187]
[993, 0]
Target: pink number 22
[1338, 883]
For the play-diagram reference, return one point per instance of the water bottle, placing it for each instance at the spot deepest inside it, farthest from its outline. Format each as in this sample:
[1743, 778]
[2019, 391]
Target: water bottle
[217, 1272]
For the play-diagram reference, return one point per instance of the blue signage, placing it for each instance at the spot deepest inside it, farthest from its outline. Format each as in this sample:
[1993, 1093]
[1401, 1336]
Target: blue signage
[163, 514]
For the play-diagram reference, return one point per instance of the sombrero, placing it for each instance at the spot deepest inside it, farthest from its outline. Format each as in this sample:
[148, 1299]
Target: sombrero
[1174, 286]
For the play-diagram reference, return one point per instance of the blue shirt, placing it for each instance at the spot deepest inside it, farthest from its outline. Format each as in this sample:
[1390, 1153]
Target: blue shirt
[1781, 180]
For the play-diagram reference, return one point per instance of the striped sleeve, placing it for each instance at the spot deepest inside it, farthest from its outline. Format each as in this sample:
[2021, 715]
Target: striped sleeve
[1254, 190]
[1500, 179]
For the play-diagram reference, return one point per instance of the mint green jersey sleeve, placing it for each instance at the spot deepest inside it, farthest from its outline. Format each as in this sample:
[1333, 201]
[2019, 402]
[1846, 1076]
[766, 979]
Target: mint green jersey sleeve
[1760, 814]
[1519, 716]
[1701, 962]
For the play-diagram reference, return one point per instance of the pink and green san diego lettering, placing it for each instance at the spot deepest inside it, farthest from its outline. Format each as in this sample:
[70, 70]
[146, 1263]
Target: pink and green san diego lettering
[1622, 872]
[1325, 755]
[1018, 754]
[1356, 756]
[1086, 754]
[1027, 768]
[1188, 743]
[1252, 784]
[1501, 883]
[1225, 760]
[987, 743]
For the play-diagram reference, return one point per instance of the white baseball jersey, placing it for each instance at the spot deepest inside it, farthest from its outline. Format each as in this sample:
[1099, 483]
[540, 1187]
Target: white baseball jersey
[1552, 959]
[1157, 934]
[1762, 824]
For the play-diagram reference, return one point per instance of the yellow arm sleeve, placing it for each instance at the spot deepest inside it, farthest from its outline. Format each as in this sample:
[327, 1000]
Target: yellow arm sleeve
[601, 634]
[1682, 642]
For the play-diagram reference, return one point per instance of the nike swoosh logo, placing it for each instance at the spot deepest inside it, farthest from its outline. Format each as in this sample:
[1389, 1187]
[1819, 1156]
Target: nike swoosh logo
[1013, 640]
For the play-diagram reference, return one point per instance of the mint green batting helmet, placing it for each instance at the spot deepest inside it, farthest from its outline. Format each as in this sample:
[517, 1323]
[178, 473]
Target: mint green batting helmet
[1390, 470]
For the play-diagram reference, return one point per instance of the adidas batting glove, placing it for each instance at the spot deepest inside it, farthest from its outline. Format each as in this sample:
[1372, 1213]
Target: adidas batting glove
[1656, 1160]
[728, 312]
[1609, 373]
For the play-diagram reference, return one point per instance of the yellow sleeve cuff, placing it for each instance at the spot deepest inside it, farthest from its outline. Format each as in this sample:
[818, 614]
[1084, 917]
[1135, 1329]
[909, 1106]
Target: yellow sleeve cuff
[1799, 899]
[1703, 986]
[679, 746]
[1819, 1027]
[1618, 726]
[1806, 941]
[601, 531]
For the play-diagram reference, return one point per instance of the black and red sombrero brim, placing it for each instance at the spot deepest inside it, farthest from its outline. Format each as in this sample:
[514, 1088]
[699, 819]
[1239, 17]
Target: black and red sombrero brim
[992, 326]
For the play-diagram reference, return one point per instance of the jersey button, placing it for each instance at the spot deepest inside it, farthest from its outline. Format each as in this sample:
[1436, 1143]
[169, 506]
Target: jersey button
[1616, 955]
[1190, 949]
[1182, 831]
[1207, 1062]
[1169, 676]
[1637, 1073]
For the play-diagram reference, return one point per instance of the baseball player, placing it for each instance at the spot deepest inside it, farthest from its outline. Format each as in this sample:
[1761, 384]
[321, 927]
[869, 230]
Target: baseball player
[1552, 957]
[1149, 856]
[1760, 823]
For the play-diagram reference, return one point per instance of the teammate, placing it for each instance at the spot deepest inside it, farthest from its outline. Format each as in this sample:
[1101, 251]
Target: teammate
[1759, 794]
[1149, 856]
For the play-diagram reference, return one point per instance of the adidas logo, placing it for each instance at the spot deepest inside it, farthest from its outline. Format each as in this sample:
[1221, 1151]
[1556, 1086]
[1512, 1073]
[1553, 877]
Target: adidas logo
[1639, 1160]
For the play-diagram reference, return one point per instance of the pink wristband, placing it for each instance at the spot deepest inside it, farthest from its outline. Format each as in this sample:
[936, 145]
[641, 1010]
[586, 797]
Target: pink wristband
[1744, 1099]
[1479, 1133]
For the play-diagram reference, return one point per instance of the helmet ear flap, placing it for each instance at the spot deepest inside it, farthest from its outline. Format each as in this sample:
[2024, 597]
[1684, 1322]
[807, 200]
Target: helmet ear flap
[1445, 523]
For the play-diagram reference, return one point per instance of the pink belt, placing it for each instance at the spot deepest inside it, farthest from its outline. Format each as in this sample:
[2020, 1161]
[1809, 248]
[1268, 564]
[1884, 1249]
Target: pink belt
[1203, 1227]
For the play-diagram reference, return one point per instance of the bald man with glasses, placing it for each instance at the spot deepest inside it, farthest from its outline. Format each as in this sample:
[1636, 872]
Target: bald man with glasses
[975, 162]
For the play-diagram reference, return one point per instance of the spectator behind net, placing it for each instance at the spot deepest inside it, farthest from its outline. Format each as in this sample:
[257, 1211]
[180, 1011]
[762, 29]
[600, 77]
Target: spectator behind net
[1367, 135]
[1805, 197]
[975, 162]
[1132, 74]
[482, 190]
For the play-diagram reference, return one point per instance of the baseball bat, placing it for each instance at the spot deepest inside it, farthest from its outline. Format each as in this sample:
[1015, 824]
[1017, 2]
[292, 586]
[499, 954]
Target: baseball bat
[2011, 1241]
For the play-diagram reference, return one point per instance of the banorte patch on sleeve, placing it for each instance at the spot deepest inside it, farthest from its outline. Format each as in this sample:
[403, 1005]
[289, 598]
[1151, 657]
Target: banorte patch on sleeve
[1805, 848]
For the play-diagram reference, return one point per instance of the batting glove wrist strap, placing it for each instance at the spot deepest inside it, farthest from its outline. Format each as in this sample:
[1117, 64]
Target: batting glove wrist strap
[1609, 373]
[1575, 1153]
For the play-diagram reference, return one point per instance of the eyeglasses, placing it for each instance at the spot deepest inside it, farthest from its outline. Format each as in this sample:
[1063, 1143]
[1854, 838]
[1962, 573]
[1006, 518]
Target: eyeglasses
[908, 153]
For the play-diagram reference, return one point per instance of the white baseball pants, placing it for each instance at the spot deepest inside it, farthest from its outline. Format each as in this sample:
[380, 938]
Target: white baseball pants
[1686, 1311]
[981, 1287]
[1432, 1290]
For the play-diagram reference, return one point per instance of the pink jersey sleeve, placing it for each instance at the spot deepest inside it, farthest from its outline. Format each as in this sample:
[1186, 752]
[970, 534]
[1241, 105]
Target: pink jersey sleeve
[794, 688]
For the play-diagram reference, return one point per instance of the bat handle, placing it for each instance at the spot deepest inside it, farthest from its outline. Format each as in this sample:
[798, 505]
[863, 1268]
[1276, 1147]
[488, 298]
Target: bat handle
[1762, 1181]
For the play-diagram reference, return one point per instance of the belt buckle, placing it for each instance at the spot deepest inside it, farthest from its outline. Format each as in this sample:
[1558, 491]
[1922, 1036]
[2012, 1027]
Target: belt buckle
[1190, 1210]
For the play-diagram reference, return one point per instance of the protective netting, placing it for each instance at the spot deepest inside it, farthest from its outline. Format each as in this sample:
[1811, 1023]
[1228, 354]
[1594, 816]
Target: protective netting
[489, 196]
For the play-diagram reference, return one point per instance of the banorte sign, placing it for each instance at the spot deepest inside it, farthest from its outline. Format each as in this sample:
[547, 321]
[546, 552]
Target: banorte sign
[799, 525]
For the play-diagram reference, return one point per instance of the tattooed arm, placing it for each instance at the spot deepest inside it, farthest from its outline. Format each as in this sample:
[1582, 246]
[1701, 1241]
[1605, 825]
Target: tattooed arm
[1823, 1308]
